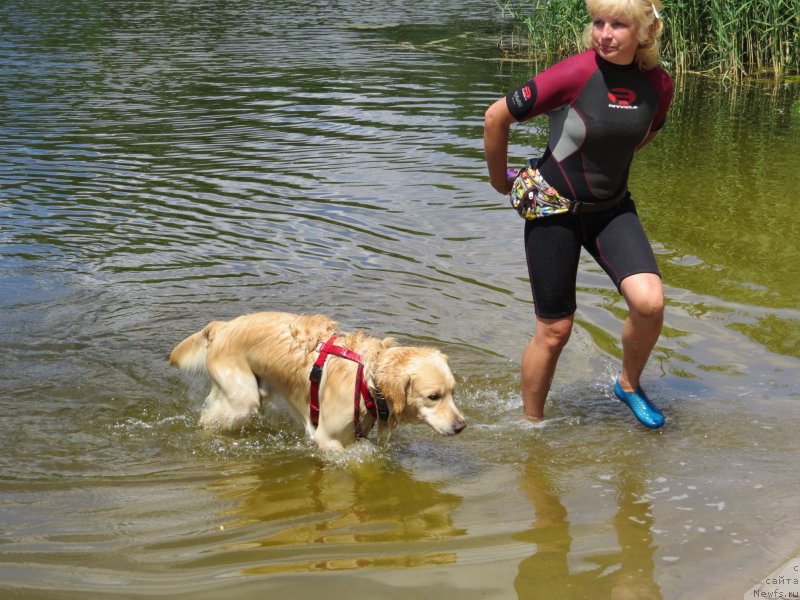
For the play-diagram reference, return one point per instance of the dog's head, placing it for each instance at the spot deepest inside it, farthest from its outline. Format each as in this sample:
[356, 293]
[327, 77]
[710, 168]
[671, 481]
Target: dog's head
[419, 386]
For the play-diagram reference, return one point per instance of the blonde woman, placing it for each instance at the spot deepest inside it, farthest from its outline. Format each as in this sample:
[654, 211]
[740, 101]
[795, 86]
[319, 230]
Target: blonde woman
[603, 104]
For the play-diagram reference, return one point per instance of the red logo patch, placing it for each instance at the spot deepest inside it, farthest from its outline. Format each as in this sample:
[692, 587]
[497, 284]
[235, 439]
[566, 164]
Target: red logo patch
[526, 92]
[622, 96]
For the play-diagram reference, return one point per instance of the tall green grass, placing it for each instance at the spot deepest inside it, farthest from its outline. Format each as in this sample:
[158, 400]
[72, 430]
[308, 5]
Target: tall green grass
[549, 28]
[729, 38]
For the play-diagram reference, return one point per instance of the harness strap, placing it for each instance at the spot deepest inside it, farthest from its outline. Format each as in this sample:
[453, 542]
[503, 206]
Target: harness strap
[361, 387]
[356, 400]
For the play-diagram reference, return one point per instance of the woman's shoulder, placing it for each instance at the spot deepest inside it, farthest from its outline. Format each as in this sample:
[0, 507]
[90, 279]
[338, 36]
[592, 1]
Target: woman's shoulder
[586, 59]
[659, 72]
[584, 62]
[660, 78]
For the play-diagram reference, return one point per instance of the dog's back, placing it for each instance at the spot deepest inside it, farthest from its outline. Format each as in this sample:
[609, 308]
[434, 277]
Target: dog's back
[277, 330]
[253, 356]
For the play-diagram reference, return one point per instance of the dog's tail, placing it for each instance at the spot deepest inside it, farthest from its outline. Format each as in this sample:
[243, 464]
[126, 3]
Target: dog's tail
[190, 354]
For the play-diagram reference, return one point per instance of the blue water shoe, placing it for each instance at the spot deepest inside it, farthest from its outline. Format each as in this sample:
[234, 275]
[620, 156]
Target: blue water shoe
[648, 413]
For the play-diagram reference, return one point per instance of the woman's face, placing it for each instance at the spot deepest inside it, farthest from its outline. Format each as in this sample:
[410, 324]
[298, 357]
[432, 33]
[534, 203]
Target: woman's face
[615, 39]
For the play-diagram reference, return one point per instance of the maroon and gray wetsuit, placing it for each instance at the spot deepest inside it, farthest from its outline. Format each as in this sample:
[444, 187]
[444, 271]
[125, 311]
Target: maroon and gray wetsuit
[599, 113]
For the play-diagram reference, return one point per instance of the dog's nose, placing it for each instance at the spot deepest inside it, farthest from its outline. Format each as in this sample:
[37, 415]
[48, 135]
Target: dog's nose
[459, 426]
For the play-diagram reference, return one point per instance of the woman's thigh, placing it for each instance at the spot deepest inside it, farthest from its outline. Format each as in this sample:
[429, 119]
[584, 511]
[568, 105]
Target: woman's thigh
[620, 245]
[552, 251]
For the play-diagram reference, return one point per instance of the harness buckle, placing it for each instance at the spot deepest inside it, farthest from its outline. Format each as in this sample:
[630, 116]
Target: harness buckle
[316, 374]
[382, 405]
[383, 410]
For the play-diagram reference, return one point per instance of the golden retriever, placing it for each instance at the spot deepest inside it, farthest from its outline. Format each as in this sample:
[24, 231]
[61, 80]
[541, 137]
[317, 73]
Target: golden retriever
[271, 354]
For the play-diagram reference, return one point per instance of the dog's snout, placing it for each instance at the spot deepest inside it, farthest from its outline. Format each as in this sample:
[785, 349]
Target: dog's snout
[459, 426]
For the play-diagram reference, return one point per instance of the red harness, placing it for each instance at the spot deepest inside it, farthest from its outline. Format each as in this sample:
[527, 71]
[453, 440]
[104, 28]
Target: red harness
[361, 389]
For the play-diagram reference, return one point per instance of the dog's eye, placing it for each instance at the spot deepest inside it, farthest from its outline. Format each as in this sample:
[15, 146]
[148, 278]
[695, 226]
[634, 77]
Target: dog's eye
[435, 396]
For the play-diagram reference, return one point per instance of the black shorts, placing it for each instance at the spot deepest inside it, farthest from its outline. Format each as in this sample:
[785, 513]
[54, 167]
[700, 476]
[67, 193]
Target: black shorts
[615, 238]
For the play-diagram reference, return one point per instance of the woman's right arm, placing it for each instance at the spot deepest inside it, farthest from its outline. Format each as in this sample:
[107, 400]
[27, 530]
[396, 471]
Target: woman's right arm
[497, 123]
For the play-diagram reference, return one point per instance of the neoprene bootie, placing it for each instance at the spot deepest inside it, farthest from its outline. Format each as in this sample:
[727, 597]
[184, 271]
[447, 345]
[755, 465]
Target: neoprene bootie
[645, 411]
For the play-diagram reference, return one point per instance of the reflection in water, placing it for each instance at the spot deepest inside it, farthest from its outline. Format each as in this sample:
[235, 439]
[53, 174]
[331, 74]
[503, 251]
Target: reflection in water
[557, 570]
[321, 517]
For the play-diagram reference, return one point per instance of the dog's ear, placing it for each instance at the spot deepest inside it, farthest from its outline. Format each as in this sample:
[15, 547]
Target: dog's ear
[395, 390]
[393, 377]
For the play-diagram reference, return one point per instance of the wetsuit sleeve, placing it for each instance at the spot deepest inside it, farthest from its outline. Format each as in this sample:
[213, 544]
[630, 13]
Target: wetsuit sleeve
[552, 88]
[522, 100]
[665, 88]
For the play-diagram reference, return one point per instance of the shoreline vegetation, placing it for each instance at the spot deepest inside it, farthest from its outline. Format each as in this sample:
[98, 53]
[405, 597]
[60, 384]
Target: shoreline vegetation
[729, 39]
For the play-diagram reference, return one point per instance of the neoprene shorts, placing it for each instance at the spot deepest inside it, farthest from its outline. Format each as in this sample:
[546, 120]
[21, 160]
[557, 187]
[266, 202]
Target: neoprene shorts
[615, 238]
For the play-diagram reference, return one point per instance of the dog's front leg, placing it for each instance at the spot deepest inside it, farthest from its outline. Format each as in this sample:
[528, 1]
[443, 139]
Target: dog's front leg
[327, 443]
[384, 432]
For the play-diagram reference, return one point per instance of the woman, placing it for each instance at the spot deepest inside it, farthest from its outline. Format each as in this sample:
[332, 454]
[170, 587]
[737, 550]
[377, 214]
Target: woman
[603, 104]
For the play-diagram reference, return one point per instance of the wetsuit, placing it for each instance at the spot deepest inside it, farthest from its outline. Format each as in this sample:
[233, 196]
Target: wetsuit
[599, 113]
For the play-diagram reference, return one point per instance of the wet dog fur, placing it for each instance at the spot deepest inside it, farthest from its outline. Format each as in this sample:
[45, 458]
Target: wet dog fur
[268, 355]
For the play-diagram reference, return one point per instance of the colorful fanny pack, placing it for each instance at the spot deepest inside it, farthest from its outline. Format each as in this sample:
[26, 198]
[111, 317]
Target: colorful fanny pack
[532, 197]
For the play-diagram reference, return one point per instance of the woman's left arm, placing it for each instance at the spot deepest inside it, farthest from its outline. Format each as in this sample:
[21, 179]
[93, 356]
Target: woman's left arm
[647, 139]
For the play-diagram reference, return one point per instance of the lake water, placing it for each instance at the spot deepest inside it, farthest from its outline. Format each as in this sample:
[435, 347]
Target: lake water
[164, 164]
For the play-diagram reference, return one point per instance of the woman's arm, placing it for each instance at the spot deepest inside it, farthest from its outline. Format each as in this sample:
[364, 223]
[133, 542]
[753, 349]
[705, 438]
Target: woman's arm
[647, 139]
[497, 122]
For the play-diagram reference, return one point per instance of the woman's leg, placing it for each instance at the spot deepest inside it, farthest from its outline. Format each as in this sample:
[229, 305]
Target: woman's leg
[644, 294]
[621, 247]
[539, 360]
[552, 250]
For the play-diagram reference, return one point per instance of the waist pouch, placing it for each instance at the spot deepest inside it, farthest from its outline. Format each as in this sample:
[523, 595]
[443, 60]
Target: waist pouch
[532, 197]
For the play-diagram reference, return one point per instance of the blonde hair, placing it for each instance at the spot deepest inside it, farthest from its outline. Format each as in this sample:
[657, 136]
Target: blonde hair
[646, 13]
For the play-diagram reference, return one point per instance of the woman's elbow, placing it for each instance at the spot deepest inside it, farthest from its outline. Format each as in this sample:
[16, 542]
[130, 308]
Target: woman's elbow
[494, 117]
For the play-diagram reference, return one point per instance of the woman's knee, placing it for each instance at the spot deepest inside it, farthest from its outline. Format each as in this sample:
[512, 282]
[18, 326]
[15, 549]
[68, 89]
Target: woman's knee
[553, 334]
[648, 306]
[644, 294]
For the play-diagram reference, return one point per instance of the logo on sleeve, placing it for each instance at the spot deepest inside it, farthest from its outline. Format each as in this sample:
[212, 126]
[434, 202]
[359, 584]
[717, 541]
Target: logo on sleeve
[521, 101]
[623, 98]
[526, 92]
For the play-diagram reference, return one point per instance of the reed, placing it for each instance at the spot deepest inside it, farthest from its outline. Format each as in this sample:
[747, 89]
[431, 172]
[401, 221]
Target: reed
[728, 38]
